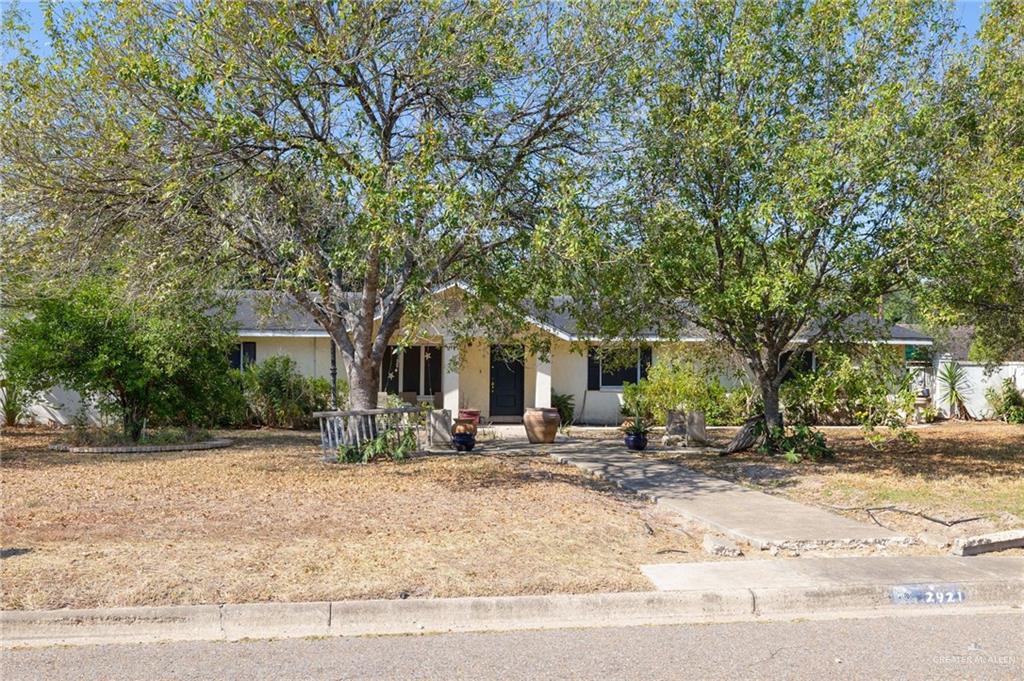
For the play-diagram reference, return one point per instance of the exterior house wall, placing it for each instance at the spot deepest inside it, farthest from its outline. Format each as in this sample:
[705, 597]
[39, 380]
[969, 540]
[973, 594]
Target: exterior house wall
[475, 378]
[60, 406]
[310, 358]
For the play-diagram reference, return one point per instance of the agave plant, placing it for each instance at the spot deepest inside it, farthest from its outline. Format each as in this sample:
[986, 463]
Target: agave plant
[956, 388]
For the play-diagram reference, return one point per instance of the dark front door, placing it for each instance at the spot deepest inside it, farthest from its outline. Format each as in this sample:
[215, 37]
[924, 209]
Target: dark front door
[507, 378]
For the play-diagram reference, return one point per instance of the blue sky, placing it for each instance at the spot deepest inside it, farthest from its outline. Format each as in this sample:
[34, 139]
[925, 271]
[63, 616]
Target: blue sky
[968, 12]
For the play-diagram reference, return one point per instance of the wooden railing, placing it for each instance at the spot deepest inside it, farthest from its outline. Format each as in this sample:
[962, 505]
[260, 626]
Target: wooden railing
[356, 429]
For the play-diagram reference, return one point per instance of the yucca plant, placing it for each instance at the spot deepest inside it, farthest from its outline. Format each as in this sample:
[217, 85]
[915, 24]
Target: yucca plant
[956, 388]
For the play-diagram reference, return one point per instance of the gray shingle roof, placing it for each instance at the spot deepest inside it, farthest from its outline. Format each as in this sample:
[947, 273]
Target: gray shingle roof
[267, 312]
[270, 313]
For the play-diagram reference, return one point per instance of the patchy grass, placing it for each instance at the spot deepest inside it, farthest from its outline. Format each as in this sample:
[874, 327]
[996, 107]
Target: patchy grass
[265, 520]
[957, 470]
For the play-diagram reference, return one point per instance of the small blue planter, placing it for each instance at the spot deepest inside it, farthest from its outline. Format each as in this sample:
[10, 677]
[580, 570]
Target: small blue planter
[637, 443]
[464, 442]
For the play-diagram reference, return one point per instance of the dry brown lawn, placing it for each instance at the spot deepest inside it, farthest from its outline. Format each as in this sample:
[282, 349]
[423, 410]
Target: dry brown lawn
[266, 520]
[957, 470]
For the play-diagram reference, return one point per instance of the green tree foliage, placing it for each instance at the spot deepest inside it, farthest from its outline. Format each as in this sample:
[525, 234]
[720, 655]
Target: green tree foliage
[357, 155]
[865, 385]
[773, 171]
[974, 269]
[164, 360]
[694, 383]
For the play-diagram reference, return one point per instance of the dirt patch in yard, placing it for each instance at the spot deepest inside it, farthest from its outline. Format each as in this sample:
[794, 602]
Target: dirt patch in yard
[265, 520]
[956, 471]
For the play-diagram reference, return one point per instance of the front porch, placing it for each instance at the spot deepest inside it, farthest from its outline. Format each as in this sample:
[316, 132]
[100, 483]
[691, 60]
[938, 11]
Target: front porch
[501, 381]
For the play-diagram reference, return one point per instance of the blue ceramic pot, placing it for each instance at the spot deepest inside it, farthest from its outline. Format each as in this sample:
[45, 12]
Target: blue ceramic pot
[464, 442]
[637, 443]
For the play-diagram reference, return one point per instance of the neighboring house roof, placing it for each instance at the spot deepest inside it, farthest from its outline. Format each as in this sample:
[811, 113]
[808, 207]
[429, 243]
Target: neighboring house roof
[956, 341]
[266, 313]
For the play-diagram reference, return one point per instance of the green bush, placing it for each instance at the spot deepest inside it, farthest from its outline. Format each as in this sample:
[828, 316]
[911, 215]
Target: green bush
[277, 395]
[797, 443]
[869, 387]
[691, 384]
[1007, 401]
[159, 360]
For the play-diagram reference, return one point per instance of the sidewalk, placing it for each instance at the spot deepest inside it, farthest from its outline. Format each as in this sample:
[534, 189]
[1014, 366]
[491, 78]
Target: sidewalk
[697, 592]
[763, 520]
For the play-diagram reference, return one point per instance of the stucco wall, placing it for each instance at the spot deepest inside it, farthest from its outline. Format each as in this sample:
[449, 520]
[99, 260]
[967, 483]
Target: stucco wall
[311, 355]
[475, 378]
[569, 377]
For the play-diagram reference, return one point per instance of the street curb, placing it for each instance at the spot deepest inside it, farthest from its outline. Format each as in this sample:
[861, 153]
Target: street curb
[232, 622]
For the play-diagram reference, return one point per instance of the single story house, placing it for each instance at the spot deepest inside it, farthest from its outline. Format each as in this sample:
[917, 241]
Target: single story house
[500, 380]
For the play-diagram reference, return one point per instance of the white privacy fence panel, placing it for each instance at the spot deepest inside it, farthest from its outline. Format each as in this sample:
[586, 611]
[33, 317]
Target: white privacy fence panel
[980, 379]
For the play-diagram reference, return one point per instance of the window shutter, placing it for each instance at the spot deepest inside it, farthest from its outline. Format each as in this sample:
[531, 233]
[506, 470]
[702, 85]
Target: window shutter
[646, 358]
[235, 356]
[593, 370]
[248, 354]
[411, 370]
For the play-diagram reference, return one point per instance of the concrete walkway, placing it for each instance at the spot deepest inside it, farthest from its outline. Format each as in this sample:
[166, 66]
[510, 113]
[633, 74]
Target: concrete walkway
[884, 571]
[763, 520]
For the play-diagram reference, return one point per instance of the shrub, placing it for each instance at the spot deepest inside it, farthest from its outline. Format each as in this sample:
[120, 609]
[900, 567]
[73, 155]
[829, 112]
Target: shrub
[163, 359]
[15, 399]
[566, 406]
[869, 387]
[277, 395]
[1007, 401]
[797, 443]
[692, 384]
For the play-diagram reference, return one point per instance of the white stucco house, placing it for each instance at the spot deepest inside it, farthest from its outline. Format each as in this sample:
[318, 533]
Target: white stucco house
[499, 379]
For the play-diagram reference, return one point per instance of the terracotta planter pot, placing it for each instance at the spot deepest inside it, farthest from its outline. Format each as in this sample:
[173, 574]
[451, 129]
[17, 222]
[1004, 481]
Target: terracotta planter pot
[464, 427]
[541, 424]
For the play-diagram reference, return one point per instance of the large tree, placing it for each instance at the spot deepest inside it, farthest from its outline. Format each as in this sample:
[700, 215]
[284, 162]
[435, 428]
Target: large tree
[356, 155]
[772, 174]
[974, 272]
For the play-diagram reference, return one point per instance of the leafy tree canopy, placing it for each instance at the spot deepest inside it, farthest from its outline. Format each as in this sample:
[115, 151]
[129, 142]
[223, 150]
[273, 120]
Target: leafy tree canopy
[357, 155]
[974, 271]
[771, 177]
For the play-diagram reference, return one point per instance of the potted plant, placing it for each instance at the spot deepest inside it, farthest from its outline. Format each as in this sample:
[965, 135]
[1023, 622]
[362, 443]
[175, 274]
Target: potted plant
[636, 430]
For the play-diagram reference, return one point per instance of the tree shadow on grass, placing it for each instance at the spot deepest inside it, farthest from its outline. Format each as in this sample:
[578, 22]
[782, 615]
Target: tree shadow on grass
[971, 451]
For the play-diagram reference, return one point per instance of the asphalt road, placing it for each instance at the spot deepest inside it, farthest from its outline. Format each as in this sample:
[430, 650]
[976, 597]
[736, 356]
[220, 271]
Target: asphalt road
[974, 646]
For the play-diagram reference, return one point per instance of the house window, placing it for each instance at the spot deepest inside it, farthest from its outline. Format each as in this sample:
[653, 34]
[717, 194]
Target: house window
[612, 376]
[805, 364]
[416, 369]
[243, 355]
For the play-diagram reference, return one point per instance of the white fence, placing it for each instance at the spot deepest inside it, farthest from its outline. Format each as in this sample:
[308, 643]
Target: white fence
[980, 379]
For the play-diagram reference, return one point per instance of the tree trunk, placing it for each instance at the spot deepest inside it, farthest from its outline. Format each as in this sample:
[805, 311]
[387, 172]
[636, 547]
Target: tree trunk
[132, 421]
[772, 409]
[363, 383]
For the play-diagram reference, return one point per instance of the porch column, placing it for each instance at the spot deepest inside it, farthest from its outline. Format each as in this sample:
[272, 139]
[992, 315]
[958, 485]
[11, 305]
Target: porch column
[450, 379]
[542, 383]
